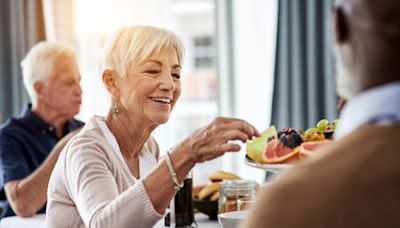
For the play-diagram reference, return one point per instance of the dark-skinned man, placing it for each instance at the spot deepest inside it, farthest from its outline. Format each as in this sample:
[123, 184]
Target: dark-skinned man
[354, 182]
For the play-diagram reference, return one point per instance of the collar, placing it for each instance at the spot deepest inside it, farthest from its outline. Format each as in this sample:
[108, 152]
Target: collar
[146, 159]
[39, 123]
[379, 104]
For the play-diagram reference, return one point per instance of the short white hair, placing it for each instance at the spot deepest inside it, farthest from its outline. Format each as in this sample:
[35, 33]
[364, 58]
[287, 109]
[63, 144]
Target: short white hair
[132, 45]
[38, 63]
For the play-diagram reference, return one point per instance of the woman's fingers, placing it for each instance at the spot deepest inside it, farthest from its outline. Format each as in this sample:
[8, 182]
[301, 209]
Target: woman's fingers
[222, 149]
[234, 135]
[237, 130]
[230, 147]
[216, 138]
[242, 126]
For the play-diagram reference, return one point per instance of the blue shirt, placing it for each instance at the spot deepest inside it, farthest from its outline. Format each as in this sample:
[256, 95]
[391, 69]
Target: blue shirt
[25, 142]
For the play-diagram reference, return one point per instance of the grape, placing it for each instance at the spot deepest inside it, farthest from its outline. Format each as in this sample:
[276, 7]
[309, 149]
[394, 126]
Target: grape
[322, 124]
[336, 122]
[310, 131]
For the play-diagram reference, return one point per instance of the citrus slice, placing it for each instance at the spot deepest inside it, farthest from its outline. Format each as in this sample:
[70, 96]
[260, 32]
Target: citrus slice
[255, 148]
[276, 153]
[307, 149]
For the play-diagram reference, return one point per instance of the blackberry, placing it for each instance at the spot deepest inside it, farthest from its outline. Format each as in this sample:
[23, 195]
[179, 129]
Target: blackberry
[291, 139]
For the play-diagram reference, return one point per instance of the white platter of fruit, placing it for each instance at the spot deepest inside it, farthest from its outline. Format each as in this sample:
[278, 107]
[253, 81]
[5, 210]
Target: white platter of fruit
[274, 150]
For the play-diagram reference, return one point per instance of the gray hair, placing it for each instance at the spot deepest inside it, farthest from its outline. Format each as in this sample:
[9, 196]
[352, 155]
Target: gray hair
[132, 45]
[38, 63]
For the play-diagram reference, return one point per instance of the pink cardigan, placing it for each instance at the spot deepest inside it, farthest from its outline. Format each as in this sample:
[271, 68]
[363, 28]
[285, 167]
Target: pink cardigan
[91, 186]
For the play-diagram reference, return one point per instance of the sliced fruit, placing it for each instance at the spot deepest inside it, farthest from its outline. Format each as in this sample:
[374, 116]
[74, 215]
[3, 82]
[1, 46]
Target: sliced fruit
[276, 152]
[257, 145]
[307, 149]
[317, 136]
[270, 131]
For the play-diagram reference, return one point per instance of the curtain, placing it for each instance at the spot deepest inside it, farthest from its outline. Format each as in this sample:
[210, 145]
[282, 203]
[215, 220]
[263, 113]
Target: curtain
[304, 87]
[21, 26]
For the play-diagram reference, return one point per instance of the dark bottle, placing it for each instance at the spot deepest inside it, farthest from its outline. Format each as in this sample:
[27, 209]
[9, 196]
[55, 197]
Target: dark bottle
[181, 208]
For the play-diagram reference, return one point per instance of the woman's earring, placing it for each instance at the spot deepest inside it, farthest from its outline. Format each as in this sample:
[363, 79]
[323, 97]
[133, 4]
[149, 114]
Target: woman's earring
[115, 110]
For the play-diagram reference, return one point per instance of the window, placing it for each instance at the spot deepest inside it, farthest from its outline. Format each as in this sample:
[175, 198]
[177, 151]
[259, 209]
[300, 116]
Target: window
[204, 52]
[246, 50]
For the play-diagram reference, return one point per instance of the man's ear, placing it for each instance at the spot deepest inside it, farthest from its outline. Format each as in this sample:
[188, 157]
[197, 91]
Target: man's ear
[38, 87]
[109, 80]
[341, 25]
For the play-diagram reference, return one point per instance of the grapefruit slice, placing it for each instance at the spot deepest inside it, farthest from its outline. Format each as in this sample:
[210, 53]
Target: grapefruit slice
[276, 153]
[307, 149]
[255, 148]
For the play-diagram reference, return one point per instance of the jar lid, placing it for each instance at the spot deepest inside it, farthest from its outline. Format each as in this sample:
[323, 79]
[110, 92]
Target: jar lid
[238, 184]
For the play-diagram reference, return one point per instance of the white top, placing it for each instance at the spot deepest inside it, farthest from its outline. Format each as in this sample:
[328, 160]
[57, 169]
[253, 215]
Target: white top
[91, 185]
[379, 104]
[147, 161]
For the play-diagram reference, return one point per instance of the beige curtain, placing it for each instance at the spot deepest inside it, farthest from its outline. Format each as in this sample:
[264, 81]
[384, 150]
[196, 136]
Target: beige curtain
[21, 26]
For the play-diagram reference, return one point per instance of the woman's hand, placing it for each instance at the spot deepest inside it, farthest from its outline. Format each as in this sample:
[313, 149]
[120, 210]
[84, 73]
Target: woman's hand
[216, 138]
[204, 144]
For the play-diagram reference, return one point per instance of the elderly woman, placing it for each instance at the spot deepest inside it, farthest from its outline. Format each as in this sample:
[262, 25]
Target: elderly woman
[109, 174]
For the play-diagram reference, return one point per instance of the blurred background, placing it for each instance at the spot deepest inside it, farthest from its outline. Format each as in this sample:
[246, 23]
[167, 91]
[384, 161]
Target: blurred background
[266, 61]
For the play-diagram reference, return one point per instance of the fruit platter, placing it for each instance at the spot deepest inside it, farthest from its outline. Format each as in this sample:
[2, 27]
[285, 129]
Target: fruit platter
[274, 150]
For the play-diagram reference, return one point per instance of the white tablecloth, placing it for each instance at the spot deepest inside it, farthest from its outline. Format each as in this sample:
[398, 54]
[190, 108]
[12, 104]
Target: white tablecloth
[201, 220]
[38, 221]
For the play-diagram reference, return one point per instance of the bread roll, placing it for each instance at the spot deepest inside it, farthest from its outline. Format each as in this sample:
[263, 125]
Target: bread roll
[220, 175]
[196, 189]
[215, 196]
[208, 190]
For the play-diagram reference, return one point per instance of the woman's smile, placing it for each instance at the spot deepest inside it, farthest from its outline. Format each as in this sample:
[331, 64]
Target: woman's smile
[162, 102]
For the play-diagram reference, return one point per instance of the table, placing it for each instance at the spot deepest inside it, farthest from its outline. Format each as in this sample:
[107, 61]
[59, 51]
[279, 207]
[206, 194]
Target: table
[38, 221]
[201, 220]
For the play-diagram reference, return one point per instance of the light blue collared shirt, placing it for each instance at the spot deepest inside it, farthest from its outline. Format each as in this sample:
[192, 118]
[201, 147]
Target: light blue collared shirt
[379, 104]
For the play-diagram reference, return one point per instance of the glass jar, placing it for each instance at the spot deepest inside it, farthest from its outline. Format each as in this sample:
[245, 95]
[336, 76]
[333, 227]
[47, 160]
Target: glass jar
[233, 190]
